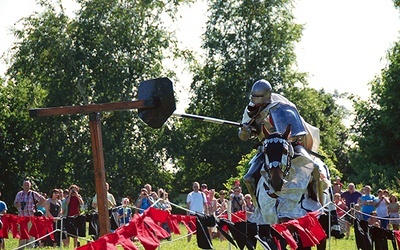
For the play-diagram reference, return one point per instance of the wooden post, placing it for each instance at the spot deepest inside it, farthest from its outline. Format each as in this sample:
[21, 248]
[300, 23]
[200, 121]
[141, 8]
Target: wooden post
[97, 142]
[99, 172]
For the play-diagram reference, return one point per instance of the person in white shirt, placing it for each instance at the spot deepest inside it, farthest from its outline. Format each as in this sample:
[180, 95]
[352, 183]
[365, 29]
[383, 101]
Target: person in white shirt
[381, 208]
[196, 202]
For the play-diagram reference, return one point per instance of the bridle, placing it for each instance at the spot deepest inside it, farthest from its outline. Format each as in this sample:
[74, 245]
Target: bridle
[278, 145]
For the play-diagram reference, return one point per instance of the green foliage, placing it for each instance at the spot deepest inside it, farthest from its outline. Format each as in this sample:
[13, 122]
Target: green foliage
[321, 110]
[246, 41]
[99, 56]
[16, 135]
[374, 156]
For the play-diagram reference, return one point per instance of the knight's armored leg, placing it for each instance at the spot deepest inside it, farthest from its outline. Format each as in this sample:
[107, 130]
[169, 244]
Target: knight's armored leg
[253, 174]
[250, 182]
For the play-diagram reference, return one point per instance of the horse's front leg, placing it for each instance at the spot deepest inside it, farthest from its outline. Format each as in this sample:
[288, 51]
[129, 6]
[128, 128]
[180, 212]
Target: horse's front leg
[266, 202]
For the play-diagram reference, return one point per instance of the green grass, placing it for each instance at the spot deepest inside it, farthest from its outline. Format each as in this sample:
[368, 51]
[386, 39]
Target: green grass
[180, 242]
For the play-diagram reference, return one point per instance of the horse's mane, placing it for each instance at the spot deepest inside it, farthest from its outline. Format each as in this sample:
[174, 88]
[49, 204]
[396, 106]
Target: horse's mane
[274, 135]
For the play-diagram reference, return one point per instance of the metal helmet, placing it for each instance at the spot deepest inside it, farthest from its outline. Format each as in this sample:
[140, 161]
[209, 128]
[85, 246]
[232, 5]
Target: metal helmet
[261, 92]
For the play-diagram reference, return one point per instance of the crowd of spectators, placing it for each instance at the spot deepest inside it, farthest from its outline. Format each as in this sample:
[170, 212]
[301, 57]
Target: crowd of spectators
[67, 207]
[379, 209]
[203, 200]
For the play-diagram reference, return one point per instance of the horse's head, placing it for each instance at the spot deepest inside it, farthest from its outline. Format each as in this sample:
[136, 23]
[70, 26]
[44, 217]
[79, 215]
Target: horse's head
[278, 154]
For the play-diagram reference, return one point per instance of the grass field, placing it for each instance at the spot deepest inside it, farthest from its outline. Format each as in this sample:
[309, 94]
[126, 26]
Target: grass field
[180, 242]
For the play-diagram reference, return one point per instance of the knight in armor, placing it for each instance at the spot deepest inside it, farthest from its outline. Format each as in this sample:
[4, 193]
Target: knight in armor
[267, 112]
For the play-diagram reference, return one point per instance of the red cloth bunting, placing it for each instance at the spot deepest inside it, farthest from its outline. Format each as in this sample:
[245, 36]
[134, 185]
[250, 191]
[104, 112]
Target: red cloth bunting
[157, 215]
[158, 231]
[23, 227]
[397, 236]
[41, 226]
[146, 228]
[284, 231]
[126, 242]
[311, 224]
[173, 224]
[5, 228]
[146, 238]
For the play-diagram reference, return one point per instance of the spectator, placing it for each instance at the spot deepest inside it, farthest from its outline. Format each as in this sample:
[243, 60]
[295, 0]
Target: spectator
[149, 189]
[222, 208]
[164, 202]
[64, 213]
[373, 220]
[25, 201]
[341, 206]
[195, 203]
[204, 187]
[144, 201]
[124, 212]
[350, 197]
[382, 209]
[393, 210]
[249, 206]
[357, 212]
[362, 191]
[237, 199]
[64, 207]
[165, 205]
[111, 203]
[212, 208]
[386, 193]
[222, 203]
[211, 202]
[3, 210]
[41, 207]
[74, 201]
[338, 180]
[337, 187]
[341, 209]
[154, 196]
[54, 210]
[367, 202]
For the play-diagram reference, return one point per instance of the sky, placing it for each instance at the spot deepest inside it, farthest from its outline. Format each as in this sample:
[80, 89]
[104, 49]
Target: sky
[343, 46]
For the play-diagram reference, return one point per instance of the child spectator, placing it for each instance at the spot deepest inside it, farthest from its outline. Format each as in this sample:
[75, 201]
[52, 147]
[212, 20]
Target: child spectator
[124, 212]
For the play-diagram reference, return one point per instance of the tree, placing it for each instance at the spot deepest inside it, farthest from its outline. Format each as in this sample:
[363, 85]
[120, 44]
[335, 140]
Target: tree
[15, 136]
[99, 56]
[244, 41]
[374, 157]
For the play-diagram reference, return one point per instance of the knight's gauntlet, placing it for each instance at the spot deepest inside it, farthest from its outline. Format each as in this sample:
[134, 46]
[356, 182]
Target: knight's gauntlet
[245, 132]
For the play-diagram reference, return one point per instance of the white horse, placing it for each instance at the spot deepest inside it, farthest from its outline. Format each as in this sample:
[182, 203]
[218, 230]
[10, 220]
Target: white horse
[292, 182]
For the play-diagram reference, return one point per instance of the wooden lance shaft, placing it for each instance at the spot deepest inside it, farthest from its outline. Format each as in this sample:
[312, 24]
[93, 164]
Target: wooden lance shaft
[230, 123]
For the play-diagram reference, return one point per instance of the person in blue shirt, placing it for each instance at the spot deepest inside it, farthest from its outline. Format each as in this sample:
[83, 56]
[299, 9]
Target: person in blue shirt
[143, 202]
[124, 212]
[368, 202]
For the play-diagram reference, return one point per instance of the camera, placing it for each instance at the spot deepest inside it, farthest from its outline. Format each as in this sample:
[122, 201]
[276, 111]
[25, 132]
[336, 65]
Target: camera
[23, 204]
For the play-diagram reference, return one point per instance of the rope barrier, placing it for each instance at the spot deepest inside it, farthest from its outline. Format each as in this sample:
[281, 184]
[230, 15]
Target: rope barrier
[349, 213]
[50, 233]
